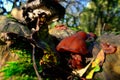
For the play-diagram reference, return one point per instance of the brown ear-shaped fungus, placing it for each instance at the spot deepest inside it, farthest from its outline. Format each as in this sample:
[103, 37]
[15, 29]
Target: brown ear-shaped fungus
[108, 49]
[82, 34]
[73, 44]
[76, 61]
[61, 27]
[92, 35]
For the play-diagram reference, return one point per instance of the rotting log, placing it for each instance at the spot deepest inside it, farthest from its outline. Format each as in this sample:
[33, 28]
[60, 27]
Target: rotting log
[9, 25]
[111, 67]
[17, 31]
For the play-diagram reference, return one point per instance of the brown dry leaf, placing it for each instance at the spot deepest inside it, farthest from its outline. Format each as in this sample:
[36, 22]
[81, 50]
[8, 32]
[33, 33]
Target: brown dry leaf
[82, 71]
[100, 57]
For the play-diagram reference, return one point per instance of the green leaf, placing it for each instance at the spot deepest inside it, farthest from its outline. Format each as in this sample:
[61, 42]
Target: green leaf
[97, 68]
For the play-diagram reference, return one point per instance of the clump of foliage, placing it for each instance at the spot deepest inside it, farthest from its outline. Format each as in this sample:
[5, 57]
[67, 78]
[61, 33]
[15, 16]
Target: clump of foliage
[22, 69]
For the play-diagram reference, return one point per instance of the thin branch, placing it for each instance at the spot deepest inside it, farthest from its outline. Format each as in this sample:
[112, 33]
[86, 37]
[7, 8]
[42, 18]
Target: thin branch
[34, 63]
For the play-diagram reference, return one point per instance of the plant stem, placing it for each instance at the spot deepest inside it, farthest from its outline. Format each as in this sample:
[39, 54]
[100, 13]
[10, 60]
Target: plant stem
[34, 62]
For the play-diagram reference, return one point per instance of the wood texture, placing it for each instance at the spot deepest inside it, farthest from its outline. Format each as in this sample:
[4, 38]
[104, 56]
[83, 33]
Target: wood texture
[111, 66]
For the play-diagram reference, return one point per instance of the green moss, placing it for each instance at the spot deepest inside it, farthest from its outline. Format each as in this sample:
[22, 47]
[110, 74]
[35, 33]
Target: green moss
[22, 67]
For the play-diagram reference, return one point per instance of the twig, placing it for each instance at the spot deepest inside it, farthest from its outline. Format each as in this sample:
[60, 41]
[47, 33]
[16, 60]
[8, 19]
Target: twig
[103, 28]
[34, 63]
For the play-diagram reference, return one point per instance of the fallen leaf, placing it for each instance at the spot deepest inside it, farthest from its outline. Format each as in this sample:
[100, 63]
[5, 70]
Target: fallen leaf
[82, 71]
